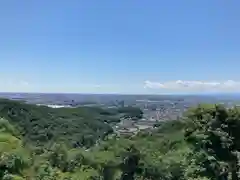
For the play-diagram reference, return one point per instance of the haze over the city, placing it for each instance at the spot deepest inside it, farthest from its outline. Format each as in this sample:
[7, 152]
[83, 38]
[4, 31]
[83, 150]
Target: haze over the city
[142, 47]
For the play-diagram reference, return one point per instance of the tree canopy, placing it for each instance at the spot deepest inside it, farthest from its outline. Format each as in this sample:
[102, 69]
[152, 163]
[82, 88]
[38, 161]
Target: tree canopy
[77, 127]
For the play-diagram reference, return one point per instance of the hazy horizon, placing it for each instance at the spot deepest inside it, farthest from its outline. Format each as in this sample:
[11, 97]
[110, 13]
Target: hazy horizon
[159, 94]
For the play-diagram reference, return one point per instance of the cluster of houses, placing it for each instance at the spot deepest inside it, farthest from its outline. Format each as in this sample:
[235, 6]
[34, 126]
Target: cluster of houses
[130, 127]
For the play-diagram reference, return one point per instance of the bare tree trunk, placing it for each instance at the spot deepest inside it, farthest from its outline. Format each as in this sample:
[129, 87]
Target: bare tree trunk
[234, 170]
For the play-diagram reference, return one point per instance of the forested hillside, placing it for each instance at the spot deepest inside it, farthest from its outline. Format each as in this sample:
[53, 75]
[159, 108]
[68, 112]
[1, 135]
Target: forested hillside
[76, 127]
[204, 144]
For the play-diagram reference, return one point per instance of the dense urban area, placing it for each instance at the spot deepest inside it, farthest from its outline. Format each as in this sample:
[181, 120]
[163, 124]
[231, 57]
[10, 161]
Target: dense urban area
[119, 137]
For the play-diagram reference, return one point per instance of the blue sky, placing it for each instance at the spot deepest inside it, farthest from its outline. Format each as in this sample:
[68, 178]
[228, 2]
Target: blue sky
[120, 46]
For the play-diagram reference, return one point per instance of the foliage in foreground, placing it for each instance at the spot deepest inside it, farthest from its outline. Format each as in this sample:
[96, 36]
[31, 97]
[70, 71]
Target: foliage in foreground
[203, 146]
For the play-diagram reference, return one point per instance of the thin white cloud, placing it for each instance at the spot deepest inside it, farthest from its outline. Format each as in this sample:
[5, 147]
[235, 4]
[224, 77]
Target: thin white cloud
[91, 85]
[180, 85]
[24, 83]
[13, 85]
